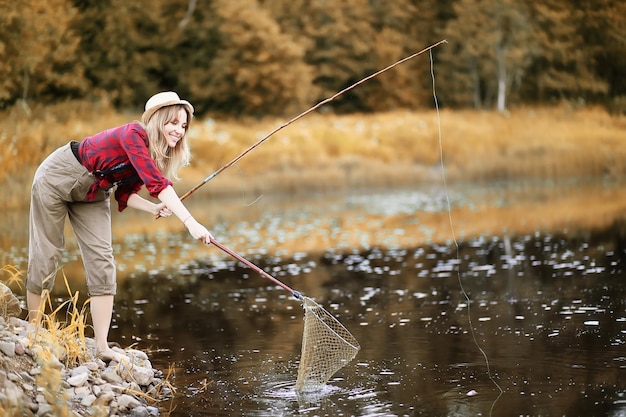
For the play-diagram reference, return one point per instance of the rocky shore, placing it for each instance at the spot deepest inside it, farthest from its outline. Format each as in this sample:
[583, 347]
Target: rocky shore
[36, 380]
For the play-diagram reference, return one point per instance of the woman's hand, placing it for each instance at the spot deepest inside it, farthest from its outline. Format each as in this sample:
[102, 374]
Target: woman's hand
[198, 231]
[172, 203]
[161, 210]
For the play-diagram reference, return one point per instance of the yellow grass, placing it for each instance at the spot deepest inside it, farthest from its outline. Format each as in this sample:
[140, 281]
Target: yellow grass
[66, 338]
[323, 152]
[15, 276]
[60, 336]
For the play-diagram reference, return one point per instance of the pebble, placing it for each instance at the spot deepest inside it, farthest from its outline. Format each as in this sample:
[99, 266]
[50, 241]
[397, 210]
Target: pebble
[7, 348]
[471, 393]
[32, 374]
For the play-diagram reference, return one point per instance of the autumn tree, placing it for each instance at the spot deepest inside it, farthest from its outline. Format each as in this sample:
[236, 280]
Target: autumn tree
[262, 57]
[564, 68]
[602, 24]
[121, 48]
[491, 44]
[402, 28]
[37, 51]
[191, 44]
[251, 67]
[339, 40]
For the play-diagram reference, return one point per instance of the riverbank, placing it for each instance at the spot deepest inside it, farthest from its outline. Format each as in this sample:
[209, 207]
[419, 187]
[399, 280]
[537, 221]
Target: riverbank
[50, 370]
[325, 152]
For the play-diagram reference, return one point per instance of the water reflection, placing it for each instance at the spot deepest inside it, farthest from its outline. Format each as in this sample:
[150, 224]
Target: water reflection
[546, 305]
[548, 311]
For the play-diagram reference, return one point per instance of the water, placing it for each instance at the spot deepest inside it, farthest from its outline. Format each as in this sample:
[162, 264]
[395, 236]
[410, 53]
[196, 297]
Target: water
[545, 321]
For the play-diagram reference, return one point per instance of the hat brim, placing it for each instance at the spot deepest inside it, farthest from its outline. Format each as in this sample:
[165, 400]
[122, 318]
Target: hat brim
[145, 117]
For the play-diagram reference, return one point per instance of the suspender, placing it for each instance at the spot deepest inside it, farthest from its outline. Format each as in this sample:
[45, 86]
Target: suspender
[115, 170]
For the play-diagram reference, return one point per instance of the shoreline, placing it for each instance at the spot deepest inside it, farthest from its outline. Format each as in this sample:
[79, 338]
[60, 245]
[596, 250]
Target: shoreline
[326, 152]
[39, 377]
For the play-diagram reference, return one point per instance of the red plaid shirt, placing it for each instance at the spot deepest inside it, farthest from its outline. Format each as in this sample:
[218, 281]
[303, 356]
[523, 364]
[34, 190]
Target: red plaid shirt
[120, 157]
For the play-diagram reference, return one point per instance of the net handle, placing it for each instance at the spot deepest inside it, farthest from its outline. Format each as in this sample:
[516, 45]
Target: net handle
[252, 266]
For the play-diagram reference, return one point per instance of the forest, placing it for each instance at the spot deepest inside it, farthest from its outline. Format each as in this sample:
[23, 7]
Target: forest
[259, 58]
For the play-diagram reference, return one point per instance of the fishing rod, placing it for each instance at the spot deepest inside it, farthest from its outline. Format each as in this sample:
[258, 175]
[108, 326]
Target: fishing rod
[304, 113]
[252, 266]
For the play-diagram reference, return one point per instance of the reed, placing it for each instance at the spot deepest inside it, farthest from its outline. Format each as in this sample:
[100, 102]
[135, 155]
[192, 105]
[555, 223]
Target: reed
[325, 152]
[64, 337]
[397, 149]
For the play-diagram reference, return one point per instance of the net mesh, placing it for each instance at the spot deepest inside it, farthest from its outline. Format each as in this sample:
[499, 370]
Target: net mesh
[327, 346]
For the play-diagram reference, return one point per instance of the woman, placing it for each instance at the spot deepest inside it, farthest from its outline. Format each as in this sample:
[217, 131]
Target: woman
[76, 180]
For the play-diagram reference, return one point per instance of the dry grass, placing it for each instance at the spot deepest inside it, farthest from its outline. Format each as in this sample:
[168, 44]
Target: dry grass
[63, 329]
[327, 151]
[15, 276]
[323, 152]
[60, 336]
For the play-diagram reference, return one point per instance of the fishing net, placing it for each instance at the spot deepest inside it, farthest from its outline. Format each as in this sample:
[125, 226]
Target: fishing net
[327, 346]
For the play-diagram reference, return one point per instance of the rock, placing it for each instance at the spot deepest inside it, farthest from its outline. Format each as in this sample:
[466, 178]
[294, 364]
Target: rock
[26, 376]
[92, 365]
[9, 304]
[55, 362]
[82, 391]
[8, 348]
[32, 406]
[16, 323]
[78, 380]
[44, 410]
[88, 400]
[106, 398]
[13, 394]
[33, 372]
[128, 402]
[136, 354]
[110, 375]
[142, 376]
[82, 369]
[133, 387]
[140, 411]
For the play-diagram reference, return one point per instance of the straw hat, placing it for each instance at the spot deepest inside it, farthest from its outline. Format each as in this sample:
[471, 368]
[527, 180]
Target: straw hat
[163, 99]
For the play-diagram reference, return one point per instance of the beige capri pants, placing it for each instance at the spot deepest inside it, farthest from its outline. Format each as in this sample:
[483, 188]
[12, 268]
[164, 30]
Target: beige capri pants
[58, 192]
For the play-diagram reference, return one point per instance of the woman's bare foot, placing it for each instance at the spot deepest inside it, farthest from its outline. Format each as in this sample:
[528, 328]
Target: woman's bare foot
[109, 355]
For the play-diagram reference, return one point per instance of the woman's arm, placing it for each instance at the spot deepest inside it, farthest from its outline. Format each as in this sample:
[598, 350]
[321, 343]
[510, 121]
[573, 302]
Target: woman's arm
[172, 202]
[139, 203]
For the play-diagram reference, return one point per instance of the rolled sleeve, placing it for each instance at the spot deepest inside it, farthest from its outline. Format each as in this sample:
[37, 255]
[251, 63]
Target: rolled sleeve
[123, 193]
[137, 150]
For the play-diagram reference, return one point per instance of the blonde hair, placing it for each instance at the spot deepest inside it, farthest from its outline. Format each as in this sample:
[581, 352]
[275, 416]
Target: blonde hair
[168, 160]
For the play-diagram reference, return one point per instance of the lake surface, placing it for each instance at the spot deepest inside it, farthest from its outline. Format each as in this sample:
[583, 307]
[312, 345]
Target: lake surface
[511, 305]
